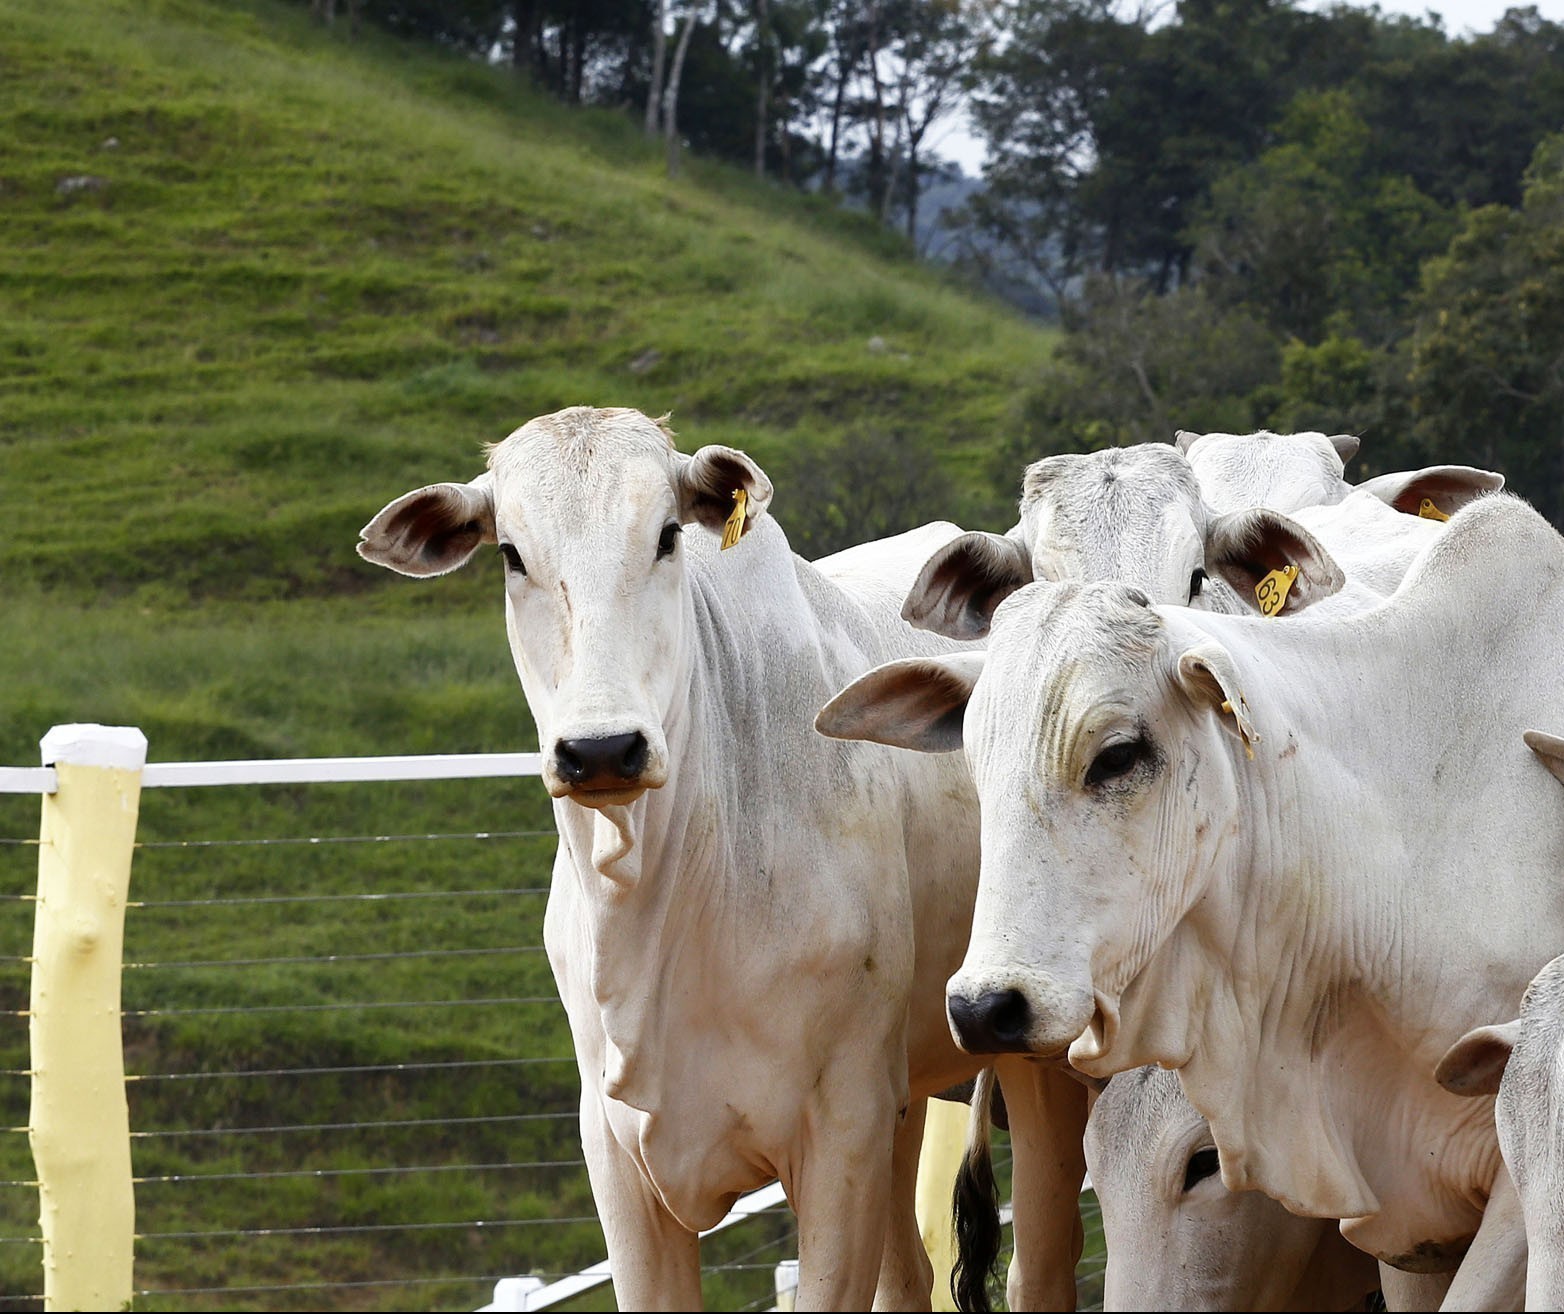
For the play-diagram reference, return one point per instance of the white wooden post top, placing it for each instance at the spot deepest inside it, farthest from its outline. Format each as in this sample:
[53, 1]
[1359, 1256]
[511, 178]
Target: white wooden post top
[121, 746]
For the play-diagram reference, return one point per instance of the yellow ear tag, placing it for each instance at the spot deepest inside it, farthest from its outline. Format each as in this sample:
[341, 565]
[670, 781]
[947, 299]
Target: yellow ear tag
[1426, 510]
[1271, 592]
[733, 528]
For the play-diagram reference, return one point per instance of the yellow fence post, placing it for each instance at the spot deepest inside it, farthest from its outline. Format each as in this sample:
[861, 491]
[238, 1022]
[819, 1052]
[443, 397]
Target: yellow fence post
[80, 1125]
[944, 1142]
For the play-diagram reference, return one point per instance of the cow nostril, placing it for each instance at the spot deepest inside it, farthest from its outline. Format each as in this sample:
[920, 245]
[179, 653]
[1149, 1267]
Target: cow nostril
[601, 763]
[994, 1023]
[568, 762]
[1008, 1015]
[634, 760]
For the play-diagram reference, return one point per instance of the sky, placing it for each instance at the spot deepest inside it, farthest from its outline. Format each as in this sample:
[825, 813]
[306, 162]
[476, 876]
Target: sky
[1461, 18]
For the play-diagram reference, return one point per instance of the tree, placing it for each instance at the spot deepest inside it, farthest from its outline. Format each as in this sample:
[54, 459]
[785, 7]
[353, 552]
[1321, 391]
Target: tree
[1309, 231]
[1106, 133]
[1462, 118]
[670, 94]
[848, 45]
[652, 122]
[929, 58]
[1488, 356]
[1136, 367]
[763, 74]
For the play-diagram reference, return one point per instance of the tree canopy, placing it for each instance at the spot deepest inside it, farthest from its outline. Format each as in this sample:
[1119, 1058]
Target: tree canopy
[1247, 214]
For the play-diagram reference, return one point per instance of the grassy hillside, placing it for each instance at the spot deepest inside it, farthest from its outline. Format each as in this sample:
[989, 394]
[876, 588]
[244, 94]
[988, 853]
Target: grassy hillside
[257, 281]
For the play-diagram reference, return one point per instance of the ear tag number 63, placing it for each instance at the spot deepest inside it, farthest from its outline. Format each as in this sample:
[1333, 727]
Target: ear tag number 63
[1271, 592]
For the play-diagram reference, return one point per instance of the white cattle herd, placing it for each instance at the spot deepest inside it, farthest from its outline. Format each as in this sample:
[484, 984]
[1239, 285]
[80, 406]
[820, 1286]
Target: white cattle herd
[1255, 813]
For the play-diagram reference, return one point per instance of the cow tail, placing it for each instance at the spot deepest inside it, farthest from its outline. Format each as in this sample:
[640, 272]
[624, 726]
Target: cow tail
[975, 1207]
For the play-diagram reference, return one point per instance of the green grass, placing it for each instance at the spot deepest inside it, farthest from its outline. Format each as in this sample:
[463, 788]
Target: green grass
[308, 275]
[257, 281]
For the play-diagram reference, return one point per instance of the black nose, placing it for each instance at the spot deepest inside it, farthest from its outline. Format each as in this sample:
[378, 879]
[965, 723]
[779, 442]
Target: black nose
[993, 1023]
[601, 763]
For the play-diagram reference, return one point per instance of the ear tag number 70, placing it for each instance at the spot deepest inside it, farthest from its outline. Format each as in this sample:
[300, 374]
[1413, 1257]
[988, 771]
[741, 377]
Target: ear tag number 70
[733, 527]
[1271, 592]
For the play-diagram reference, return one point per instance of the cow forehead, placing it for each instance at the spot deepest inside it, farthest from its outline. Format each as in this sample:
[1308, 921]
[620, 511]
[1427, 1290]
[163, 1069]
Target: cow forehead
[1284, 471]
[1045, 623]
[1062, 658]
[1091, 497]
[583, 460]
[1139, 1108]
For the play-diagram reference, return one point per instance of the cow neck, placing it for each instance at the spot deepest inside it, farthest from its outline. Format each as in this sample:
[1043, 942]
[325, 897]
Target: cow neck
[1337, 987]
[694, 845]
[1289, 1000]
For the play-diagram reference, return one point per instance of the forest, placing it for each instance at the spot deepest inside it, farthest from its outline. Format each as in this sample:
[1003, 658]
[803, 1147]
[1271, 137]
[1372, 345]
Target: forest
[1244, 215]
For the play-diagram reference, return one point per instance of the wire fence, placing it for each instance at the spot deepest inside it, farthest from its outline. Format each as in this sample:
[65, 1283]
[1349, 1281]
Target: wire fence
[351, 1082]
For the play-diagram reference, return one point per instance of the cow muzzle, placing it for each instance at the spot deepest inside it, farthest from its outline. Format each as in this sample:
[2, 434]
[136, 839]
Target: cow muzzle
[995, 1022]
[603, 770]
[1016, 1017]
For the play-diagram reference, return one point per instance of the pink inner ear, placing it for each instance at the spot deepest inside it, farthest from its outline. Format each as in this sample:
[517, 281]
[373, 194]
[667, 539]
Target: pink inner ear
[710, 480]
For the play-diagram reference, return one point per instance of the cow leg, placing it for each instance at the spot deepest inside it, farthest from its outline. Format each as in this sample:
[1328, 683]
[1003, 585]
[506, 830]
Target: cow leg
[906, 1276]
[1493, 1274]
[841, 1190]
[1047, 1123]
[655, 1260]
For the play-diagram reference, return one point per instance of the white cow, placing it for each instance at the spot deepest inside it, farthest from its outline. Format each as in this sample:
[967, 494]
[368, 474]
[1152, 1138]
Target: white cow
[1522, 1061]
[750, 925]
[1178, 1239]
[1293, 861]
[1139, 515]
[1290, 471]
[1285, 471]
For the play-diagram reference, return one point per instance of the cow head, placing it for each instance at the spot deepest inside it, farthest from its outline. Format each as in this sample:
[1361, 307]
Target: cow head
[1284, 471]
[1094, 727]
[1177, 1238]
[587, 508]
[1133, 515]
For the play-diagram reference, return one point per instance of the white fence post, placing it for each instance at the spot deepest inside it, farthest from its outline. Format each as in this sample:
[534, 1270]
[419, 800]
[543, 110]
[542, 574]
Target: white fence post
[79, 1123]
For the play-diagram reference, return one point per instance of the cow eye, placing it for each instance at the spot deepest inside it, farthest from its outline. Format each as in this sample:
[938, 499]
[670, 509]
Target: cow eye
[513, 562]
[668, 538]
[1197, 582]
[1115, 760]
[1202, 1164]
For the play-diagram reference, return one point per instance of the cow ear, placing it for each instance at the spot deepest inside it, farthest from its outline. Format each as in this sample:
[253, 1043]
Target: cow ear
[1475, 1064]
[1208, 676]
[1448, 487]
[960, 585]
[916, 703]
[708, 481]
[1184, 440]
[432, 530]
[1040, 474]
[1243, 547]
[1346, 445]
[1550, 748]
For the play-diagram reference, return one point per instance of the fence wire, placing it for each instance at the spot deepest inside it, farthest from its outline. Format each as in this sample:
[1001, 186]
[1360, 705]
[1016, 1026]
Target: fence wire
[380, 1187]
